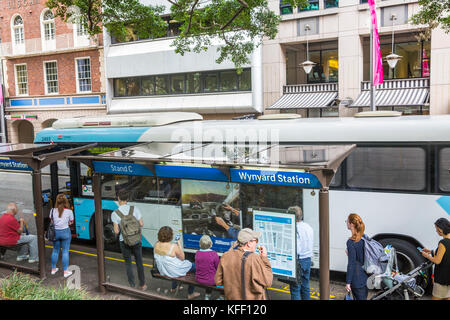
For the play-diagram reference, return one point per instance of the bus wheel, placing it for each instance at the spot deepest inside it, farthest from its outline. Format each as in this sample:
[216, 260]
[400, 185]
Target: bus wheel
[408, 257]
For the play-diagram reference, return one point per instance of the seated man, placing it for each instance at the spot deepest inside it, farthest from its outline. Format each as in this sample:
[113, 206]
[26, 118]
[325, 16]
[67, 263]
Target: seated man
[11, 234]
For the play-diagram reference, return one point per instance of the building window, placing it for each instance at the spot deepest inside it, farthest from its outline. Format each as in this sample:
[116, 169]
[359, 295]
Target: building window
[415, 62]
[313, 5]
[285, 8]
[48, 21]
[184, 83]
[81, 30]
[51, 77]
[326, 68]
[19, 35]
[84, 82]
[21, 79]
[331, 4]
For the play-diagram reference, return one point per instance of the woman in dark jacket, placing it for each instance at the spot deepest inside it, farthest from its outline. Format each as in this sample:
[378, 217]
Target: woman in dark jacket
[356, 278]
[441, 259]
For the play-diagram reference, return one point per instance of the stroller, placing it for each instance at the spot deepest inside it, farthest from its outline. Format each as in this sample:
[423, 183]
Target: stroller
[392, 285]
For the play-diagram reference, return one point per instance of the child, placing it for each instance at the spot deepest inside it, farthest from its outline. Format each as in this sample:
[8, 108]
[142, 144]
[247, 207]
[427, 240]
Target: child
[206, 263]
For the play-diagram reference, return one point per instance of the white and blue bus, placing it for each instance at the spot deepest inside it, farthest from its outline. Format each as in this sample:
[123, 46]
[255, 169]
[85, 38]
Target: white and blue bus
[397, 179]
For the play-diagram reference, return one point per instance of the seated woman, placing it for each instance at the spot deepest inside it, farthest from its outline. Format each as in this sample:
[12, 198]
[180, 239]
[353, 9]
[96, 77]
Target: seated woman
[170, 260]
[206, 262]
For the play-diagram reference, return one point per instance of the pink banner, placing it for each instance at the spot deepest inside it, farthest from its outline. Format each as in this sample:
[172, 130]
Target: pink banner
[425, 65]
[377, 60]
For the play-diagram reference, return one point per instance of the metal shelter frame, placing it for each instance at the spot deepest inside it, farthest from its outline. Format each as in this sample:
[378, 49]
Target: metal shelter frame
[30, 154]
[323, 169]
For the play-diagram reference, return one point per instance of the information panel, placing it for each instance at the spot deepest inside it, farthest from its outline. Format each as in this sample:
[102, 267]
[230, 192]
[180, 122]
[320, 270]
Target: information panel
[278, 236]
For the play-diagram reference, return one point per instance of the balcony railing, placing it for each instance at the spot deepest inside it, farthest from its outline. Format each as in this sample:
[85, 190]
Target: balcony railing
[399, 84]
[319, 87]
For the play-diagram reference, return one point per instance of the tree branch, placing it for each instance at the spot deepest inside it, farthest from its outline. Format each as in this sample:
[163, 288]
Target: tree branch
[190, 17]
[244, 6]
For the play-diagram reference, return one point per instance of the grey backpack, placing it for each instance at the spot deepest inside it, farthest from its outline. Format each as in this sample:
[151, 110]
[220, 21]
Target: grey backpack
[375, 258]
[129, 227]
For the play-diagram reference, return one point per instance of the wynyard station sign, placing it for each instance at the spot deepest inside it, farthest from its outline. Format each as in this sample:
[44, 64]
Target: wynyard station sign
[270, 176]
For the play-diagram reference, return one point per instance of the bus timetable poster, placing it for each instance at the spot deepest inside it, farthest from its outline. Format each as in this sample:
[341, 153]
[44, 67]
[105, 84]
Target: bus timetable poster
[278, 236]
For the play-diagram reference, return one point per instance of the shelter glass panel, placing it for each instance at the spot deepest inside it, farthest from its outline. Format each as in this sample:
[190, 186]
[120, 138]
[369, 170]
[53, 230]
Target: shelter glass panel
[444, 166]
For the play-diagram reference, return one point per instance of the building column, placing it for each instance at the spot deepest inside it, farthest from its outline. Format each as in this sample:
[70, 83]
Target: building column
[440, 73]
[274, 73]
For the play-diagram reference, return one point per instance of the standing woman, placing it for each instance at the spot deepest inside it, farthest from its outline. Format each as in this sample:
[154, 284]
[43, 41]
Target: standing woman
[356, 278]
[62, 218]
[441, 260]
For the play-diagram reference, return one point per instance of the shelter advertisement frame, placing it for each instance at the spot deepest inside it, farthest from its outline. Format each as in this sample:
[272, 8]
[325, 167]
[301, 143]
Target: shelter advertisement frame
[297, 171]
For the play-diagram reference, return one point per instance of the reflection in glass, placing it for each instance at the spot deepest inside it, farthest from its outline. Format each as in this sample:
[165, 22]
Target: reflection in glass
[210, 82]
[161, 85]
[228, 81]
[245, 80]
[177, 83]
[193, 82]
[148, 86]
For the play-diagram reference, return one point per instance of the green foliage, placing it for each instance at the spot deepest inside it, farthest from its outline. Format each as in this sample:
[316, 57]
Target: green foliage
[433, 13]
[19, 286]
[236, 26]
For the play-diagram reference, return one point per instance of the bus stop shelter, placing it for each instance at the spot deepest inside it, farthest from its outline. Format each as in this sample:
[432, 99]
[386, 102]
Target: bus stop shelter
[301, 166]
[33, 158]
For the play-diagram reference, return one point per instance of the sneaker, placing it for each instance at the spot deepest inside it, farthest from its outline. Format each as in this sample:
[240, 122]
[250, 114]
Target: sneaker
[221, 298]
[21, 258]
[143, 288]
[33, 261]
[55, 270]
[67, 274]
[193, 295]
[207, 297]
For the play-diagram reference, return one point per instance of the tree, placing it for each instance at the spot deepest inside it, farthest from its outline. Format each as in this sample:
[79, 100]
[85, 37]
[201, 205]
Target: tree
[433, 13]
[238, 25]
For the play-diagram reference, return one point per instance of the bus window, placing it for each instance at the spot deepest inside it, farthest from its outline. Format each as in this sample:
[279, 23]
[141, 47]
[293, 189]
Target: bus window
[337, 179]
[112, 184]
[86, 181]
[144, 189]
[387, 168]
[169, 191]
[444, 165]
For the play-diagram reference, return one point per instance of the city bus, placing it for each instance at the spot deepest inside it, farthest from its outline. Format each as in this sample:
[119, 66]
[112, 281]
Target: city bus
[397, 179]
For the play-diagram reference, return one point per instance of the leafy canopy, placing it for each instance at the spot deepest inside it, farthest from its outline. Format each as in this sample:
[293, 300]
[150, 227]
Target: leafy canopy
[433, 13]
[237, 26]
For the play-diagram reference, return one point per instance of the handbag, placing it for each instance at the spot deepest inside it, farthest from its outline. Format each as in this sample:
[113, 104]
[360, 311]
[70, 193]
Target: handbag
[50, 234]
[349, 296]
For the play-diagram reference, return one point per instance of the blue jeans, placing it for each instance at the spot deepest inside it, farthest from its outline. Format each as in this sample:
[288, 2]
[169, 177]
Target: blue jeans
[63, 238]
[302, 289]
[31, 246]
[190, 287]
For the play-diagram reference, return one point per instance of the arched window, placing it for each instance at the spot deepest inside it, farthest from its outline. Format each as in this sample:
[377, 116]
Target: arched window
[48, 21]
[19, 35]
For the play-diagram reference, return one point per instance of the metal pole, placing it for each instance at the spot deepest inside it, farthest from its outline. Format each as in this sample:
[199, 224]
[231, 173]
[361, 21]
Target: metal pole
[99, 231]
[37, 195]
[372, 87]
[324, 235]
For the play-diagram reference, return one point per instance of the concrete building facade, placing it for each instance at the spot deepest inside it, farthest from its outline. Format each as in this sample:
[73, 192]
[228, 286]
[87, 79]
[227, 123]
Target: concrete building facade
[50, 69]
[337, 35]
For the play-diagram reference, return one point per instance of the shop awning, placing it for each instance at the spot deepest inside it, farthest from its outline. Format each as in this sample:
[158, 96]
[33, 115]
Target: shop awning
[396, 93]
[394, 98]
[304, 100]
[306, 96]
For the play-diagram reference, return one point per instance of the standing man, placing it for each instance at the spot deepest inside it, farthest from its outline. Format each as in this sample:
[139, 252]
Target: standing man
[257, 272]
[305, 238]
[127, 221]
[11, 234]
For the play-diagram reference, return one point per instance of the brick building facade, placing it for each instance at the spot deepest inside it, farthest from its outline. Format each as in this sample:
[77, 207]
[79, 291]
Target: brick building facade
[50, 69]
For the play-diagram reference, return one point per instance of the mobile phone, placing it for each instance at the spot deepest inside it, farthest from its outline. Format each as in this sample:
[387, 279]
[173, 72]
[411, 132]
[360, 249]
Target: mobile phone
[177, 237]
[419, 248]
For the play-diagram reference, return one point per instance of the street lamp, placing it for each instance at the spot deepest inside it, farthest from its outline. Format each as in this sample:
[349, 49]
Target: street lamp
[393, 58]
[307, 65]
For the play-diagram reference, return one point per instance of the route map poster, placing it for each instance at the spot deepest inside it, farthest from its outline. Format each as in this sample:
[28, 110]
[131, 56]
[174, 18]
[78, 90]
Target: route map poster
[278, 236]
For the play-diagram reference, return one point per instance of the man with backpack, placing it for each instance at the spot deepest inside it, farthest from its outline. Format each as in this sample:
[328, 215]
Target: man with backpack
[127, 221]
